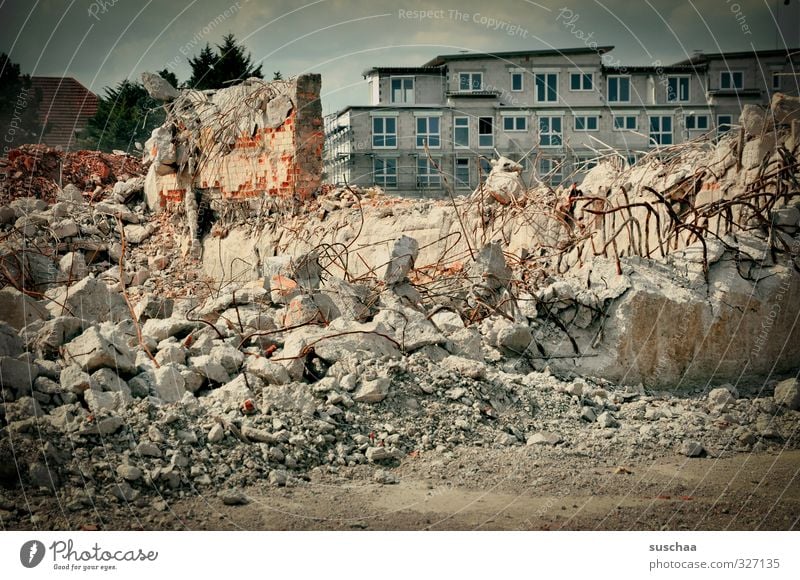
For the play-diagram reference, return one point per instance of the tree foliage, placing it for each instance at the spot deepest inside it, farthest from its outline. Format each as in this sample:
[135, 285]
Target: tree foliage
[228, 65]
[125, 115]
[19, 106]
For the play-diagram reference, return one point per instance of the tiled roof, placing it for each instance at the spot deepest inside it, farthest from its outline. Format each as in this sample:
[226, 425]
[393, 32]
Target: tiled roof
[66, 107]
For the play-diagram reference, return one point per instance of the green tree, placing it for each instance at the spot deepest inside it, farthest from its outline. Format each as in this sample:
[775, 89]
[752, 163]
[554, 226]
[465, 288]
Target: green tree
[19, 106]
[230, 64]
[125, 115]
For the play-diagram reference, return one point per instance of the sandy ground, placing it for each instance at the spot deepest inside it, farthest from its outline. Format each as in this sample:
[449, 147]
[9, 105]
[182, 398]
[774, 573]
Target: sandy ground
[482, 489]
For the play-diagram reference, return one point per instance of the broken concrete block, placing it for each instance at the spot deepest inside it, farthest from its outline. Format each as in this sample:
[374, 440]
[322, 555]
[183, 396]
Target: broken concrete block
[303, 310]
[722, 397]
[404, 253]
[168, 383]
[232, 395]
[209, 368]
[150, 306]
[54, 333]
[95, 349]
[101, 401]
[107, 380]
[158, 329]
[489, 269]
[74, 380]
[72, 267]
[290, 397]
[373, 391]
[754, 120]
[71, 194]
[349, 299]
[158, 87]
[91, 300]
[16, 374]
[19, 310]
[270, 372]
[136, 234]
[787, 393]
[10, 342]
[306, 271]
[228, 356]
[785, 108]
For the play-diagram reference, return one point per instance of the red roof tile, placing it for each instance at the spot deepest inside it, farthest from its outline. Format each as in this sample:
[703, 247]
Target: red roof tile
[66, 106]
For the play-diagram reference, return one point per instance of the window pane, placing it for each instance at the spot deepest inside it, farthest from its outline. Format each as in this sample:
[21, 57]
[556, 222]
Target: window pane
[591, 123]
[508, 123]
[433, 123]
[516, 82]
[654, 124]
[575, 81]
[580, 123]
[540, 87]
[421, 126]
[390, 125]
[587, 82]
[613, 92]
[552, 88]
[625, 89]
[618, 122]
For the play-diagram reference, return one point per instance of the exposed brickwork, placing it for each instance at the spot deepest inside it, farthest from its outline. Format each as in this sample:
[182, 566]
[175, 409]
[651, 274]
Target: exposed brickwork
[283, 161]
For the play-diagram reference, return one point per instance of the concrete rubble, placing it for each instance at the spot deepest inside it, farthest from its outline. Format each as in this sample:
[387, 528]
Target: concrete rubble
[358, 330]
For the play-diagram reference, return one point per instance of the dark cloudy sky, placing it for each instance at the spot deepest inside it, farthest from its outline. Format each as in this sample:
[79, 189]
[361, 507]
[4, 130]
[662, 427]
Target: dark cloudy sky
[100, 42]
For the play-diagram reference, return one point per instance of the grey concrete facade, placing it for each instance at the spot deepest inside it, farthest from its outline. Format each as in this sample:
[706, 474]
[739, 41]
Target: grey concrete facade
[555, 111]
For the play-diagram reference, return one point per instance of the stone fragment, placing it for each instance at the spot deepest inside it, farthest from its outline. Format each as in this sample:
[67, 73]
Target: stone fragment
[404, 252]
[94, 349]
[787, 393]
[373, 391]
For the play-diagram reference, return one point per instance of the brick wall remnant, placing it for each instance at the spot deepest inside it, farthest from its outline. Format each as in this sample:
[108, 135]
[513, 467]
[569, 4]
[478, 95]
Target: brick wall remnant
[239, 143]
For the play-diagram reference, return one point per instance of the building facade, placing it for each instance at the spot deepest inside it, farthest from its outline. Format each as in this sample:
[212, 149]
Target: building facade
[556, 111]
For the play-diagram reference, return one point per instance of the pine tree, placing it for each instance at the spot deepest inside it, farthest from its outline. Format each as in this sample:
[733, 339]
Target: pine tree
[125, 115]
[229, 65]
[19, 106]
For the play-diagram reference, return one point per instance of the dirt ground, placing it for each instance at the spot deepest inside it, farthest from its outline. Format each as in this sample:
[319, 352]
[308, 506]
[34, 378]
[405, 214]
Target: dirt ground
[482, 489]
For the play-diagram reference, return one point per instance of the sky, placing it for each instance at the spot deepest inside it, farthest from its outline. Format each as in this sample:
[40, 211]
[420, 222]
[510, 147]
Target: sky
[101, 42]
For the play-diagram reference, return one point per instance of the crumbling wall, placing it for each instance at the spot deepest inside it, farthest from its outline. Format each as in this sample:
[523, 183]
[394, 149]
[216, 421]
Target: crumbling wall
[239, 143]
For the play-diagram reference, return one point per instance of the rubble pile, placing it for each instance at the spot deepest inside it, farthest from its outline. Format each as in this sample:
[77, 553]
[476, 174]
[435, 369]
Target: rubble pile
[37, 170]
[357, 332]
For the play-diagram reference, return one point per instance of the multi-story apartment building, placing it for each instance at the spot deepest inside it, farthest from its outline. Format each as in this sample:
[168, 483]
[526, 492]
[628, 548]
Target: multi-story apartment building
[556, 110]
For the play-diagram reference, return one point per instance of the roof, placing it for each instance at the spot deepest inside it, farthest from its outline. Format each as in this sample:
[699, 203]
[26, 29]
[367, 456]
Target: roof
[406, 70]
[443, 58]
[706, 56]
[66, 106]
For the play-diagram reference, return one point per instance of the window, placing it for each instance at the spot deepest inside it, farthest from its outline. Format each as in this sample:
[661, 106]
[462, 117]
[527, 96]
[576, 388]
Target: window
[631, 159]
[403, 90]
[619, 89]
[515, 123]
[461, 132]
[661, 130]
[384, 132]
[581, 81]
[724, 123]
[731, 79]
[462, 172]
[551, 170]
[550, 131]
[485, 132]
[470, 81]
[428, 132]
[776, 81]
[586, 122]
[516, 82]
[625, 123]
[697, 122]
[385, 172]
[678, 89]
[546, 87]
[485, 168]
[427, 174]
